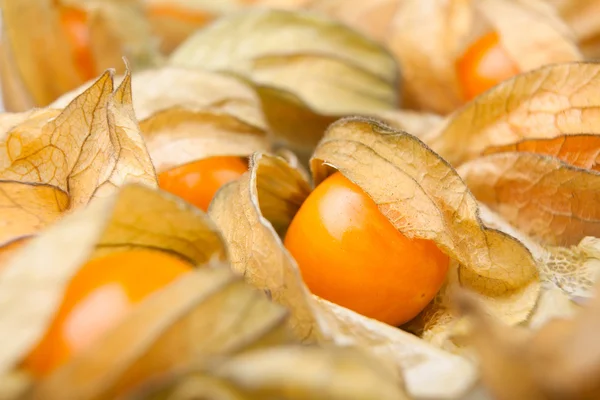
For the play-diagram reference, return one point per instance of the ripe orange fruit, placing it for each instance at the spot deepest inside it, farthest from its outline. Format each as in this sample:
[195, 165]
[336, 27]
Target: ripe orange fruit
[483, 65]
[74, 22]
[351, 255]
[198, 181]
[100, 294]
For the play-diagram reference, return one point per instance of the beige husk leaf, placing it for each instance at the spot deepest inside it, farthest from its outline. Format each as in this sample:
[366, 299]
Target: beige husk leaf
[253, 213]
[135, 217]
[286, 372]
[428, 36]
[560, 360]
[35, 75]
[579, 15]
[551, 101]
[341, 73]
[542, 196]
[423, 197]
[186, 115]
[174, 20]
[567, 273]
[581, 151]
[53, 161]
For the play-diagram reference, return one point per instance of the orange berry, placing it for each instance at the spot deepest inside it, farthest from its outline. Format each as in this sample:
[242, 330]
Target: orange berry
[100, 294]
[74, 23]
[484, 65]
[198, 182]
[350, 254]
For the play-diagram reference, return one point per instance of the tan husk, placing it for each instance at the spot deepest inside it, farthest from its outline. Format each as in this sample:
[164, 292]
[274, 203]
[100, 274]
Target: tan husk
[341, 73]
[286, 372]
[134, 217]
[570, 270]
[560, 360]
[581, 151]
[253, 213]
[579, 15]
[548, 102]
[186, 115]
[54, 161]
[428, 36]
[542, 196]
[174, 20]
[423, 197]
[36, 75]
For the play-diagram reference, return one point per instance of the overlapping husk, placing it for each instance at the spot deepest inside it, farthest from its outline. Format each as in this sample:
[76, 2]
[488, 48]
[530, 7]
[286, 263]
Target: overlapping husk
[55, 161]
[559, 360]
[186, 115]
[172, 21]
[34, 75]
[554, 100]
[579, 15]
[427, 37]
[304, 87]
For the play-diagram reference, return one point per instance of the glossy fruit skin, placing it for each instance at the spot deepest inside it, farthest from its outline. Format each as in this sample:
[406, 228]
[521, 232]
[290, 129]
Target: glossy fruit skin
[75, 24]
[484, 65]
[350, 254]
[100, 294]
[198, 182]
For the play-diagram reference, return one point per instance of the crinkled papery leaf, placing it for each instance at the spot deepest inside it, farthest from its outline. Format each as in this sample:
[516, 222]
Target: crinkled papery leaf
[255, 249]
[581, 151]
[186, 115]
[174, 20]
[571, 270]
[548, 102]
[42, 73]
[207, 312]
[290, 373]
[252, 213]
[423, 197]
[52, 160]
[135, 217]
[559, 361]
[540, 195]
[341, 73]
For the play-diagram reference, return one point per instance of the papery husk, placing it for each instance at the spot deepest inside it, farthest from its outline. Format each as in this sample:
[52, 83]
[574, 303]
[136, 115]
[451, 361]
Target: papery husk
[285, 372]
[548, 199]
[36, 75]
[304, 84]
[186, 115]
[54, 161]
[173, 21]
[560, 360]
[427, 37]
[545, 103]
[581, 151]
[579, 15]
[253, 213]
